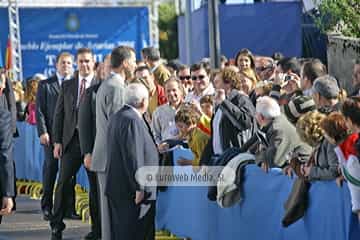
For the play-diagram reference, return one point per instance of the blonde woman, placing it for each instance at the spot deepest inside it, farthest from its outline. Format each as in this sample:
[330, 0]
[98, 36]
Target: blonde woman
[323, 163]
[30, 98]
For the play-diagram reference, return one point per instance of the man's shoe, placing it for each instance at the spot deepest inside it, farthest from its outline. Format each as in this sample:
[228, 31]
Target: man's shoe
[46, 214]
[73, 216]
[92, 236]
[56, 234]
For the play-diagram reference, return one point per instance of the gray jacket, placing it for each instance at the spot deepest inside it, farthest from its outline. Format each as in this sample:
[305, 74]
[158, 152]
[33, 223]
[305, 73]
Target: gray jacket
[283, 141]
[326, 162]
[109, 99]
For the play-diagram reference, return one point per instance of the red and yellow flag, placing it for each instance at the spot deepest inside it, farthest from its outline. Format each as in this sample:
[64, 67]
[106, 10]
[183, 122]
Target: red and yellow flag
[8, 55]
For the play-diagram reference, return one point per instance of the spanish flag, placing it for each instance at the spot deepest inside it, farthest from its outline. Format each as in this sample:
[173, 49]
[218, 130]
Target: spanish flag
[8, 55]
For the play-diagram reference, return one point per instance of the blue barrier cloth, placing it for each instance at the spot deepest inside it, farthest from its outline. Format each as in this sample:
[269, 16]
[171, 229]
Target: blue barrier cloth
[186, 211]
[264, 28]
[29, 156]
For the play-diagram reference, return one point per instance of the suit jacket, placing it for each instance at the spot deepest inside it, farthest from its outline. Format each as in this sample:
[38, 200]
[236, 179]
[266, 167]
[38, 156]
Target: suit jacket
[47, 94]
[87, 120]
[282, 141]
[109, 99]
[161, 74]
[130, 146]
[66, 112]
[7, 187]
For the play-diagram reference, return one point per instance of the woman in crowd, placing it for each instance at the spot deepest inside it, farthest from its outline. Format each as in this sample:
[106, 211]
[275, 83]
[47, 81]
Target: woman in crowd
[248, 81]
[30, 98]
[323, 163]
[244, 60]
[20, 100]
[337, 132]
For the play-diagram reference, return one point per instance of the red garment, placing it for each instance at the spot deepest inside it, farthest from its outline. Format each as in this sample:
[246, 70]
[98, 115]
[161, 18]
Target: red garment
[348, 146]
[31, 114]
[160, 95]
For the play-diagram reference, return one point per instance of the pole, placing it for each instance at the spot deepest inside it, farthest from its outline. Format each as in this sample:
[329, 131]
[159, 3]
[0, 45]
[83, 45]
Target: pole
[188, 32]
[214, 33]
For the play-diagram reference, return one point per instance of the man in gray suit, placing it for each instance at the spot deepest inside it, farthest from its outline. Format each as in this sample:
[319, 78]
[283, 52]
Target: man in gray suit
[109, 99]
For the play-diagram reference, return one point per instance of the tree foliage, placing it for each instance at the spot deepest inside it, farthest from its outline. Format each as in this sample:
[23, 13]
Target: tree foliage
[341, 16]
[168, 36]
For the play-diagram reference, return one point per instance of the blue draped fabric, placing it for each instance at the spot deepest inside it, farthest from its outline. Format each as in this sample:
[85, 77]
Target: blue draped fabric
[264, 28]
[186, 211]
[29, 156]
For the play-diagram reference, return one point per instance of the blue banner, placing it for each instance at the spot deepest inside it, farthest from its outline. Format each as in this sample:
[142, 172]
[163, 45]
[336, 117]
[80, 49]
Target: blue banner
[45, 32]
[264, 28]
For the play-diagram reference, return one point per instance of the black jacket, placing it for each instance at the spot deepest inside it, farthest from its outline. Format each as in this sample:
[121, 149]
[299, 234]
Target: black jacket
[7, 101]
[87, 120]
[7, 165]
[47, 94]
[66, 112]
[237, 124]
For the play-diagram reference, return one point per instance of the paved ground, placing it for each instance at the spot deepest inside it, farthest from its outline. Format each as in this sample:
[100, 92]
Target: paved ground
[27, 224]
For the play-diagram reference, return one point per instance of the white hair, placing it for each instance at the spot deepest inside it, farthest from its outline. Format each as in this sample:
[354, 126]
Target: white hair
[267, 107]
[135, 93]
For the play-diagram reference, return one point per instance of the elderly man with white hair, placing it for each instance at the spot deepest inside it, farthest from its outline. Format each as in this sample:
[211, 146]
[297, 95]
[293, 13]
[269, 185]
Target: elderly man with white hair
[278, 140]
[130, 147]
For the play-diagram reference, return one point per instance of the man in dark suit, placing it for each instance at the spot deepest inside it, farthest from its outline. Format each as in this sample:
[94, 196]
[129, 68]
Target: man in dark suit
[87, 133]
[65, 133]
[46, 98]
[132, 205]
[7, 177]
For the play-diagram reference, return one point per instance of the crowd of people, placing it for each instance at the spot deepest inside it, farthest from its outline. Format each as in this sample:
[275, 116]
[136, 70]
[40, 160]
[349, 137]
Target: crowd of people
[119, 115]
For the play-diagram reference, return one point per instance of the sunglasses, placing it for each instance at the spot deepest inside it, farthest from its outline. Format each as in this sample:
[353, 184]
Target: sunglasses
[200, 77]
[182, 78]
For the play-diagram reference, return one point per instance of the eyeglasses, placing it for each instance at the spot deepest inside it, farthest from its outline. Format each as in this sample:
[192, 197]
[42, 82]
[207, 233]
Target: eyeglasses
[200, 77]
[182, 78]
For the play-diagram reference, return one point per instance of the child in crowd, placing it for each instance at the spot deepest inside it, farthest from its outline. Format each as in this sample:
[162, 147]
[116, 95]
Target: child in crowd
[207, 108]
[338, 130]
[187, 121]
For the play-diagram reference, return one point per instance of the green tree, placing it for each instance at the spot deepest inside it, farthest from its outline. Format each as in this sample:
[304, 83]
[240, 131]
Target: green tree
[168, 34]
[341, 16]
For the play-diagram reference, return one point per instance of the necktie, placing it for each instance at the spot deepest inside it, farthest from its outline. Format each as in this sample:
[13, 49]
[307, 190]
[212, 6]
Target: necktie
[82, 89]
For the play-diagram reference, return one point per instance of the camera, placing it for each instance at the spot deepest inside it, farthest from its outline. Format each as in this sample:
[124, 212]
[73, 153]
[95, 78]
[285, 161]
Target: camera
[288, 78]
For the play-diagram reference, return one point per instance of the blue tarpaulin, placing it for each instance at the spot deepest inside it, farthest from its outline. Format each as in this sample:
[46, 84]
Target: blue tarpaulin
[264, 28]
[186, 211]
[29, 156]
